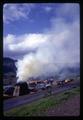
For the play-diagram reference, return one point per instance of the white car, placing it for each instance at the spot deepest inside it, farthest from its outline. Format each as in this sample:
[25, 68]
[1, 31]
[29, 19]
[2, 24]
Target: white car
[48, 85]
[40, 86]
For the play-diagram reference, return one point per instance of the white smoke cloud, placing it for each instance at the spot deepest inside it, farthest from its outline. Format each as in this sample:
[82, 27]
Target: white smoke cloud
[56, 47]
[60, 49]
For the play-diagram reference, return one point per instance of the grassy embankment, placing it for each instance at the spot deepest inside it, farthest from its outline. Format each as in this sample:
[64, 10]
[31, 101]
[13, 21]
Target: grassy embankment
[39, 108]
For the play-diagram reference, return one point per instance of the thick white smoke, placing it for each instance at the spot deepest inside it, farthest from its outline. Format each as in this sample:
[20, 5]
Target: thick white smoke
[60, 49]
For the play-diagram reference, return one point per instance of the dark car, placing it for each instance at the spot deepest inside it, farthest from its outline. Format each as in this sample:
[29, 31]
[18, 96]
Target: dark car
[9, 91]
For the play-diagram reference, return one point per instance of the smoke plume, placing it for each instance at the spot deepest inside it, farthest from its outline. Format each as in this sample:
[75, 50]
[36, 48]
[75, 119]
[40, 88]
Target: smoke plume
[60, 48]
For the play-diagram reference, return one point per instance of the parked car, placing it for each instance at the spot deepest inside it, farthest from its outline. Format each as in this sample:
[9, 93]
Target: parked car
[20, 88]
[6, 87]
[32, 87]
[69, 80]
[8, 92]
[61, 83]
[41, 86]
[48, 84]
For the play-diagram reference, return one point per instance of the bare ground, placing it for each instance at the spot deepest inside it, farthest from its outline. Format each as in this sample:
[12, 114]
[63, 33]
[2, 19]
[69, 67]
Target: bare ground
[71, 107]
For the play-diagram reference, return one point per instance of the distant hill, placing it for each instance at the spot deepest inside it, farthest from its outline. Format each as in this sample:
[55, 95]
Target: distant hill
[9, 71]
[9, 65]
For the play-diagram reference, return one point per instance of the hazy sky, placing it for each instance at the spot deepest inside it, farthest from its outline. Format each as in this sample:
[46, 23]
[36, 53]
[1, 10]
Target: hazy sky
[27, 27]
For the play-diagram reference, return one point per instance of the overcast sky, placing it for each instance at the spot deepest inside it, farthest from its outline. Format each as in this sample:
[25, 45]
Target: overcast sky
[28, 27]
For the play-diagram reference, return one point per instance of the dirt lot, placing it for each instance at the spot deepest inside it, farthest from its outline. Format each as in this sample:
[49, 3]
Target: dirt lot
[69, 108]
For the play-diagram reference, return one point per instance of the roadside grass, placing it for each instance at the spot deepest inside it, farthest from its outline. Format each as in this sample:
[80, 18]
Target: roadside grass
[39, 107]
